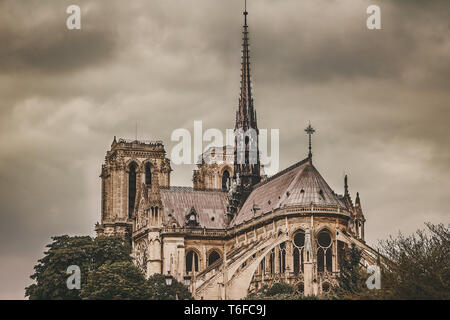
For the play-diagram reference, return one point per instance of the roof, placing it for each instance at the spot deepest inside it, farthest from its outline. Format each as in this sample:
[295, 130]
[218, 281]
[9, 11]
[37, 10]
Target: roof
[300, 184]
[209, 205]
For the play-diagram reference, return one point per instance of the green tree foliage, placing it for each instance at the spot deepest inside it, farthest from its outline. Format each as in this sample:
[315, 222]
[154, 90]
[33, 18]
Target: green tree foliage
[280, 288]
[160, 291]
[352, 276]
[278, 291]
[89, 254]
[413, 267]
[419, 265]
[116, 281]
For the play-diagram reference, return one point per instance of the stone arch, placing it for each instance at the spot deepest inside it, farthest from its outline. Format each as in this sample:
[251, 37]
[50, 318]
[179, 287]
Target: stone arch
[218, 255]
[245, 276]
[324, 249]
[148, 160]
[282, 257]
[192, 260]
[132, 184]
[225, 180]
[296, 231]
[225, 168]
[155, 245]
[135, 160]
[147, 169]
[323, 228]
[298, 245]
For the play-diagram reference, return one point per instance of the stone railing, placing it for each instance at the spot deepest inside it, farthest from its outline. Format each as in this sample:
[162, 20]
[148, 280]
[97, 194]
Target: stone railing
[116, 220]
[262, 219]
[286, 211]
[195, 231]
[149, 142]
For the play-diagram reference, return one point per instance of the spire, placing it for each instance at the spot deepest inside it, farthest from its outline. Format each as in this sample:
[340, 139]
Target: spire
[245, 12]
[246, 115]
[358, 204]
[310, 130]
[247, 166]
[346, 185]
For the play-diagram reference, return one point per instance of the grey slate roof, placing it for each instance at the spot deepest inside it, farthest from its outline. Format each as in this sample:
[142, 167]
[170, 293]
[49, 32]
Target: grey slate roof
[209, 205]
[300, 184]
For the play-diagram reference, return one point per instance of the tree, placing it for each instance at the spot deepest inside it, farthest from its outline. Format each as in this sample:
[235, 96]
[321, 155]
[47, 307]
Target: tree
[419, 265]
[278, 291]
[116, 281]
[160, 291]
[88, 254]
[280, 288]
[352, 276]
[413, 267]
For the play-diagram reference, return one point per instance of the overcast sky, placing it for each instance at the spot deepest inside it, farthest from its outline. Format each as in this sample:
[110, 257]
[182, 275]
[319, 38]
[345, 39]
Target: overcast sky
[380, 102]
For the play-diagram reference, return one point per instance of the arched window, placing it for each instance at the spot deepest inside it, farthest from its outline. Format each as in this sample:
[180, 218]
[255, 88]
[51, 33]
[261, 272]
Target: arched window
[299, 243]
[226, 180]
[213, 257]
[324, 251]
[272, 261]
[262, 265]
[148, 174]
[131, 188]
[191, 261]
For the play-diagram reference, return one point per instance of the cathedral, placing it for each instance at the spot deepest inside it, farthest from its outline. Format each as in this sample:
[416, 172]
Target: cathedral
[235, 230]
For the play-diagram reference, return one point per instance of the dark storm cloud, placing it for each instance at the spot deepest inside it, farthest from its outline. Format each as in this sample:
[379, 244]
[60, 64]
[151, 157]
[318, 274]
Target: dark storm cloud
[378, 99]
[323, 45]
[34, 38]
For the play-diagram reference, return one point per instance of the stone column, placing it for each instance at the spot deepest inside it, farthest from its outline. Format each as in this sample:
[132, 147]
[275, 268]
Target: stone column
[308, 265]
[267, 263]
[362, 230]
[289, 256]
[277, 259]
[205, 259]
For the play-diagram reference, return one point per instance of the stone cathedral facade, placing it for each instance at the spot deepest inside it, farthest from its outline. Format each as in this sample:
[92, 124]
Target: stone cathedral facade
[235, 230]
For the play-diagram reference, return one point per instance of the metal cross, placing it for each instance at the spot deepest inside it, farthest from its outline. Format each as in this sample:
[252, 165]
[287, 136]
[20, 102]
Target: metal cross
[310, 130]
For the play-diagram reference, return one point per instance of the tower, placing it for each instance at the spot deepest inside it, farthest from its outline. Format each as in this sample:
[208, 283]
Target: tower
[129, 165]
[246, 151]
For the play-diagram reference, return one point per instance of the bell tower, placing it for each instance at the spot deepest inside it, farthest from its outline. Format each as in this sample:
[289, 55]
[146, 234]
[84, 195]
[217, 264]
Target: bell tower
[129, 166]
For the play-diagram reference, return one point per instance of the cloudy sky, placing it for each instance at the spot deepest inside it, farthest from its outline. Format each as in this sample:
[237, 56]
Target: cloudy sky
[380, 102]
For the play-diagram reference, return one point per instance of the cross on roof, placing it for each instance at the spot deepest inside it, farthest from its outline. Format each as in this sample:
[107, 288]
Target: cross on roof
[310, 130]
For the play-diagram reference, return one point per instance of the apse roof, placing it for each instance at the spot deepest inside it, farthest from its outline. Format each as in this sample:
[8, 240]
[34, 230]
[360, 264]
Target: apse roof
[209, 205]
[300, 184]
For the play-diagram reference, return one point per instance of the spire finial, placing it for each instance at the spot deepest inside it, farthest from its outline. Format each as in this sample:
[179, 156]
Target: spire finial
[246, 114]
[310, 130]
[346, 184]
[245, 12]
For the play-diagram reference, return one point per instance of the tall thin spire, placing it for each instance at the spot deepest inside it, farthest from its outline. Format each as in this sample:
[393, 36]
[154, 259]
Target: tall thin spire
[245, 12]
[246, 115]
[247, 167]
